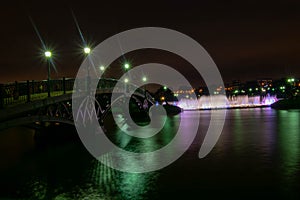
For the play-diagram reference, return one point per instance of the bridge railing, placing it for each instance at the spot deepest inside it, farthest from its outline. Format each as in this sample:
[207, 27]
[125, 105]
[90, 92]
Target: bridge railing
[26, 91]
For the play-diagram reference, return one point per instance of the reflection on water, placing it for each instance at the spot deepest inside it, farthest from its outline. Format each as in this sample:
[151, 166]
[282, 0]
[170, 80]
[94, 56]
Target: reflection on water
[288, 135]
[257, 155]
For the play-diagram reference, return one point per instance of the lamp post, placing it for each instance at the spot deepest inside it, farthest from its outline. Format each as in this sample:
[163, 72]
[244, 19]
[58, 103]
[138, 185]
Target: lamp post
[126, 80]
[144, 79]
[48, 55]
[87, 51]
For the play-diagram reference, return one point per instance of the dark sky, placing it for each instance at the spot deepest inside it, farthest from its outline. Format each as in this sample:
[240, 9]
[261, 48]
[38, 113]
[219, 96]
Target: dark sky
[247, 39]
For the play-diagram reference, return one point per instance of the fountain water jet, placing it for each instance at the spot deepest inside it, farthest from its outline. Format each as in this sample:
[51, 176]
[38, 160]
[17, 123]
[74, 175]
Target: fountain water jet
[221, 101]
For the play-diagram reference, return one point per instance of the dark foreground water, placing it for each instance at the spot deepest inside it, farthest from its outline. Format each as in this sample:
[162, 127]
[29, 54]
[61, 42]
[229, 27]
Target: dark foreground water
[257, 156]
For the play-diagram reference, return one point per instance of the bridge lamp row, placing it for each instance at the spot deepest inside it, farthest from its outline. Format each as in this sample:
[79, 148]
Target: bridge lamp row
[144, 79]
[86, 50]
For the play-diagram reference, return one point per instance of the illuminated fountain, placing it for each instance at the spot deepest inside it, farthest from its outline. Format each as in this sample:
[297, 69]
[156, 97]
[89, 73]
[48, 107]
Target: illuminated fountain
[221, 101]
[268, 100]
[215, 101]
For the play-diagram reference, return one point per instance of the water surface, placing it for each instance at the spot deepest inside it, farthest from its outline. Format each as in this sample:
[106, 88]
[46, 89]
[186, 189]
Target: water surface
[257, 156]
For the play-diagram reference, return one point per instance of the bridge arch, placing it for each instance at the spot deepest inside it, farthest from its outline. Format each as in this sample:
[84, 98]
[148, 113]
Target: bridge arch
[59, 108]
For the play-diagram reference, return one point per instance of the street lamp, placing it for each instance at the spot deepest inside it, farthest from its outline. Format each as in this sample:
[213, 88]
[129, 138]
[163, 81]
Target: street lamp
[144, 79]
[126, 66]
[87, 50]
[48, 55]
[126, 80]
[102, 68]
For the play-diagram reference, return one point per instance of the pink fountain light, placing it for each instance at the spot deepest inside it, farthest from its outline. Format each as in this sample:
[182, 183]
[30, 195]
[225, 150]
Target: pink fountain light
[221, 101]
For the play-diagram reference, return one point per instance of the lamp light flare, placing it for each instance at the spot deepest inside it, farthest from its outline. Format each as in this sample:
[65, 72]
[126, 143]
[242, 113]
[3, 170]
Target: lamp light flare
[102, 68]
[48, 54]
[126, 80]
[291, 80]
[126, 66]
[144, 79]
[87, 50]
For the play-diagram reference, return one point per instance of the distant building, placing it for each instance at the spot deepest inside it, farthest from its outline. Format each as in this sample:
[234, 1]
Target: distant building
[267, 82]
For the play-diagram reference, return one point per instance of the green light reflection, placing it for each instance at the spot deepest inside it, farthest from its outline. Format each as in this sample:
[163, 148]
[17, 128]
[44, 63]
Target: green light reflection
[288, 144]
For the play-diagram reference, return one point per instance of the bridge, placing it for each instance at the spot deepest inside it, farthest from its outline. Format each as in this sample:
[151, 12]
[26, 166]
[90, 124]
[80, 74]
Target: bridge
[27, 102]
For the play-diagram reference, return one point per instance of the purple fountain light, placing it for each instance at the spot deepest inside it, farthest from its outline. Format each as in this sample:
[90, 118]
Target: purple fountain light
[221, 101]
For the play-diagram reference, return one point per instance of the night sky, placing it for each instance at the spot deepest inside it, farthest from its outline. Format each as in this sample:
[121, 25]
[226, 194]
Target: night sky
[247, 39]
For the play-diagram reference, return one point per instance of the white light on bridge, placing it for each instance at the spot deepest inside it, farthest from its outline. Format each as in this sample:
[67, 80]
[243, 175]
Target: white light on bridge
[144, 79]
[102, 68]
[126, 80]
[126, 66]
[87, 50]
[48, 54]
